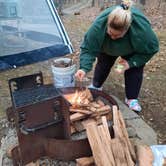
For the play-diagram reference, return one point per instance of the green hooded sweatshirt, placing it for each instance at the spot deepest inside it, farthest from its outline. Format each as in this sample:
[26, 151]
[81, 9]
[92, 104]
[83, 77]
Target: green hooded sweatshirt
[138, 45]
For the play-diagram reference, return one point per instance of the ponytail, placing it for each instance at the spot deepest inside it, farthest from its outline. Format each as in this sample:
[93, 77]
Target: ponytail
[126, 4]
[120, 17]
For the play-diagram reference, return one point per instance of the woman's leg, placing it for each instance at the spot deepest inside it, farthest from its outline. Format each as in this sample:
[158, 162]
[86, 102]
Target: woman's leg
[102, 69]
[133, 82]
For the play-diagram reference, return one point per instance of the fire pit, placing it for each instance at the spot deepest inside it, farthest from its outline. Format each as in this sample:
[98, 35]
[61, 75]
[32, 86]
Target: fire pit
[42, 118]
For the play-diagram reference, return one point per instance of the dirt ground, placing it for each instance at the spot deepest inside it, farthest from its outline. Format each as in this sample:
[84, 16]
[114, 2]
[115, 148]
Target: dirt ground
[153, 92]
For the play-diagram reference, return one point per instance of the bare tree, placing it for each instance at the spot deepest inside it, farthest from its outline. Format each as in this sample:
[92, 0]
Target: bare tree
[93, 3]
[142, 2]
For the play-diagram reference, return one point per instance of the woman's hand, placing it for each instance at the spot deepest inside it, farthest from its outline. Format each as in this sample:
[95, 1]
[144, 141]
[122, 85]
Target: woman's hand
[122, 66]
[80, 74]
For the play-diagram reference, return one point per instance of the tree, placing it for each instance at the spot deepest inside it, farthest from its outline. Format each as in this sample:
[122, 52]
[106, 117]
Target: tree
[93, 3]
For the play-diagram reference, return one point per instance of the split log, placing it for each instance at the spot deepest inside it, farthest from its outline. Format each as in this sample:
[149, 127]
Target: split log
[118, 152]
[125, 133]
[96, 144]
[100, 102]
[121, 132]
[85, 161]
[93, 109]
[78, 126]
[144, 155]
[105, 141]
[80, 111]
[104, 108]
[95, 105]
[106, 128]
[77, 116]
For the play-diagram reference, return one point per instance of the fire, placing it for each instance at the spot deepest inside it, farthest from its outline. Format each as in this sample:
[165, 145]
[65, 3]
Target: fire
[80, 97]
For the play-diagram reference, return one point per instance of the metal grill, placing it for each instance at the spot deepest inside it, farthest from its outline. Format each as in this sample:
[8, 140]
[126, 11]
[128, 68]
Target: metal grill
[33, 95]
[41, 115]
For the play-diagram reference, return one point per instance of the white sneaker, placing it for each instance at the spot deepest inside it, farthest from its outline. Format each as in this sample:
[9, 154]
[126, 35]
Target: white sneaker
[93, 87]
[133, 104]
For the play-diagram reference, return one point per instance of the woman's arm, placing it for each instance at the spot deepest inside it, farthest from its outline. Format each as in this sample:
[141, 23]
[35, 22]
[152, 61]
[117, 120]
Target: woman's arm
[91, 47]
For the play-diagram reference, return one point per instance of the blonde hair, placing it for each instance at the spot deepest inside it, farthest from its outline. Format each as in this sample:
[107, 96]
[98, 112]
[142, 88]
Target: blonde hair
[120, 17]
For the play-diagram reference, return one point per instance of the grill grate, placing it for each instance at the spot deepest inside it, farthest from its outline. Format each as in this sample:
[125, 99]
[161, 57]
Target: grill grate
[33, 95]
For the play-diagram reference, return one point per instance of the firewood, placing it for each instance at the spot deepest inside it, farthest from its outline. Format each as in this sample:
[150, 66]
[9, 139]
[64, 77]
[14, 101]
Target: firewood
[95, 105]
[84, 101]
[85, 161]
[77, 116]
[121, 132]
[100, 102]
[104, 108]
[108, 117]
[105, 141]
[118, 152]
[106, 128]
[144, 155]
[93, 109]
[78, 126]
[80, 111]
[125, 133]
[96, 144]
[99, 114]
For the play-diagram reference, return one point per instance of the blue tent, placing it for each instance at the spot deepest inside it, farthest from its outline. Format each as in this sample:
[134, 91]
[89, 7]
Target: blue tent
[30, 31]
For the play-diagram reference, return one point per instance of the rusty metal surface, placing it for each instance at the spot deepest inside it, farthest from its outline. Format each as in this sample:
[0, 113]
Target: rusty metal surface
[15, 84]
[43, 127]
[65, 150]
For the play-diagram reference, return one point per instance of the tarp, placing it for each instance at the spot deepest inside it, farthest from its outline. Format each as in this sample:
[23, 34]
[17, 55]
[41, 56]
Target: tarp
[30, 31]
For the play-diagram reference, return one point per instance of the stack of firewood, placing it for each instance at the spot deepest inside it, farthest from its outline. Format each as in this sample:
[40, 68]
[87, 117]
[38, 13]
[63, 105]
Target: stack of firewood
[108, 151]
[84, 107]
[92, 115]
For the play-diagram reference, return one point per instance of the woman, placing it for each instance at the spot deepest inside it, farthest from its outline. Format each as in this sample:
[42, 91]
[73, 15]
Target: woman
[120, 31]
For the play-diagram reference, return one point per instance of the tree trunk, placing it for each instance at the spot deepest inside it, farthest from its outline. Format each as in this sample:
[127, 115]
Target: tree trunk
[93, 3]
[142, 2]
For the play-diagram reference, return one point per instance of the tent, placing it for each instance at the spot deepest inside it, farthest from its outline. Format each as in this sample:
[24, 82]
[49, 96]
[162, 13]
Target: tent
[30, 31]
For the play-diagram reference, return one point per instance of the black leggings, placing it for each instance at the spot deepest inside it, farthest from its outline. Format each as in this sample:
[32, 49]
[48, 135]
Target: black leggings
[133, 76]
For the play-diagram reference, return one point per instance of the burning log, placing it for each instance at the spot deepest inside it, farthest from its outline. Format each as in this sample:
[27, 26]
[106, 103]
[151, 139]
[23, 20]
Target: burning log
[81, 98]
[84, 106]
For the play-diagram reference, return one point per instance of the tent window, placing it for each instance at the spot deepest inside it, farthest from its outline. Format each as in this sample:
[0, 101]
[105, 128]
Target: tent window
[27, 25]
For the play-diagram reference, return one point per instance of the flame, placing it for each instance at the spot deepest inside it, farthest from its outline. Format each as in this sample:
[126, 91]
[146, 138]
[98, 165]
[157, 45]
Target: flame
[79, 97]
[74, 98]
